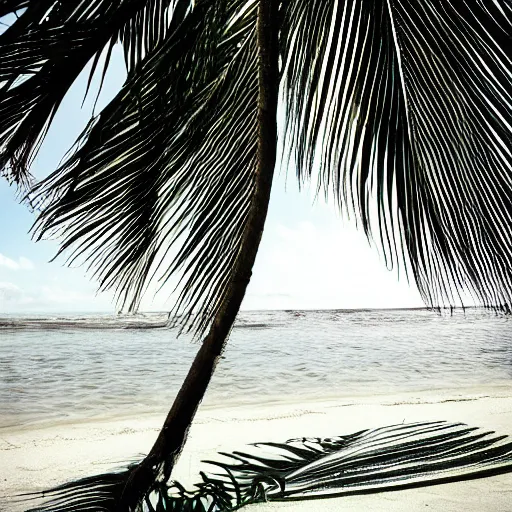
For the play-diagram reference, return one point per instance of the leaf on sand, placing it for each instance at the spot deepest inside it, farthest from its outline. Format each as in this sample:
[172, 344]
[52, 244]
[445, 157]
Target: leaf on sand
[375, 460]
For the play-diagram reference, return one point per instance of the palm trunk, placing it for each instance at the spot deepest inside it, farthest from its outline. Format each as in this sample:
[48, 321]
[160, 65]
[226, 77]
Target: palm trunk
[166, 450]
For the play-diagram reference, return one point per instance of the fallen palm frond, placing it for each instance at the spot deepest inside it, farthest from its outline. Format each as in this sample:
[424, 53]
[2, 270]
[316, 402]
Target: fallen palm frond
[375, 460]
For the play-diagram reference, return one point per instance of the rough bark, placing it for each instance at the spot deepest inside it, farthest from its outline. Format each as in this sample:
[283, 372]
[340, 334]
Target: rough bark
[172, 437]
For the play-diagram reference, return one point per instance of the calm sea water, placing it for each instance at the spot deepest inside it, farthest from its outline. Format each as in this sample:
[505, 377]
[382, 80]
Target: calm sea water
[54, 368]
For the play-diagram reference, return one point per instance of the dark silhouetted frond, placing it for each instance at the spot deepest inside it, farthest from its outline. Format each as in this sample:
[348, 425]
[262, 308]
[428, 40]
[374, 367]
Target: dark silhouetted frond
[13, 6]
[144, 32]
[44, 51]
[96, 493]
[169, 162]
[406, 104]
[401, 107]
[397, 456]
[382, 459]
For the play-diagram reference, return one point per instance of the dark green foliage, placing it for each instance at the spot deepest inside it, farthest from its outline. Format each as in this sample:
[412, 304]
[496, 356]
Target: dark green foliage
[44, 51]
[12, 6]
[401, 108]
[411, 112]
[172, 159]
[388, 458]
[100, 492]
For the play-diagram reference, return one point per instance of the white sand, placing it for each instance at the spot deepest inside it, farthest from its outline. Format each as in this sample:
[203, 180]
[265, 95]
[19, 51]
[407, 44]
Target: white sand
[34, 458]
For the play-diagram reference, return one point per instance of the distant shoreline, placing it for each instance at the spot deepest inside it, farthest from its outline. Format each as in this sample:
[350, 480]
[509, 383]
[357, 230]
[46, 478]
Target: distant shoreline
[160, 319]
[286, 310]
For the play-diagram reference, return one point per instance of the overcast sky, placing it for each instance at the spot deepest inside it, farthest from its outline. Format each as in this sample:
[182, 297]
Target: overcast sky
[309, 257]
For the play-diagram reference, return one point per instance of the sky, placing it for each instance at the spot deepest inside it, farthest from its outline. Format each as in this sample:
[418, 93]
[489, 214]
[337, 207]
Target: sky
[310, 257]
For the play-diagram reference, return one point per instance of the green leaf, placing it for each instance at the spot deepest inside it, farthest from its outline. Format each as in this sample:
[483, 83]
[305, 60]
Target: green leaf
[169, 163]
[44, 51]
[402, 108]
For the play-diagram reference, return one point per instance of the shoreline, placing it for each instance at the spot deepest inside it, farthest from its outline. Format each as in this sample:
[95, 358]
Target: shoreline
[37, 456]
[420, 395]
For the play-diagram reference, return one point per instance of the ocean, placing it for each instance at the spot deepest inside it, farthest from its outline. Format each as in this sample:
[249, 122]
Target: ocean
[73, 368]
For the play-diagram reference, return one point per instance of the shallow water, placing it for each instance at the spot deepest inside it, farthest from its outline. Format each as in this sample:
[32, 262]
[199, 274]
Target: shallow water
[57, 368]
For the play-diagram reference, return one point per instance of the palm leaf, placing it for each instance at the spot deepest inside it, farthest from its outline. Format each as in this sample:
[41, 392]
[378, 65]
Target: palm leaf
[149, 28]
[406, 104]
[44, 51]
[397, 456]
[376, 460]
[12, 6]
[171, 159]
[400, 104]
[99, 492]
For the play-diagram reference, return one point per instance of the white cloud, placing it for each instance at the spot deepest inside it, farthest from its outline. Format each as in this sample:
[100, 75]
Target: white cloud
[25, 263]
[57, 295]
[9, 292]
[46, 298]
[7, 262]
[22, 263]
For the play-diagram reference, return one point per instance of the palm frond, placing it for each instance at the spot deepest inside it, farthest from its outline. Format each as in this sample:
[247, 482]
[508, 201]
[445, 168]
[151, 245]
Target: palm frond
[171, 160]
[407, 104]
[377, 460]
[12, 6]
[99, 492]
[44, 51]
[387, 458]
[403, 104]
[145, 31]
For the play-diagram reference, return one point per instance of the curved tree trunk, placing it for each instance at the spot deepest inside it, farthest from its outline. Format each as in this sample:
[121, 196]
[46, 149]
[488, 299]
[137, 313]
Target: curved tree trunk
[166, 450]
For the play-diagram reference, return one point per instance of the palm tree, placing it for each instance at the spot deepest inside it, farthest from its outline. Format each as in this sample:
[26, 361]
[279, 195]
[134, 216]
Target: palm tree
[402, 106]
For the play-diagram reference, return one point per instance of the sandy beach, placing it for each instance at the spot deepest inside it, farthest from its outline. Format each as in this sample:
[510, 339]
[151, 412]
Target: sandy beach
[35, 457]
